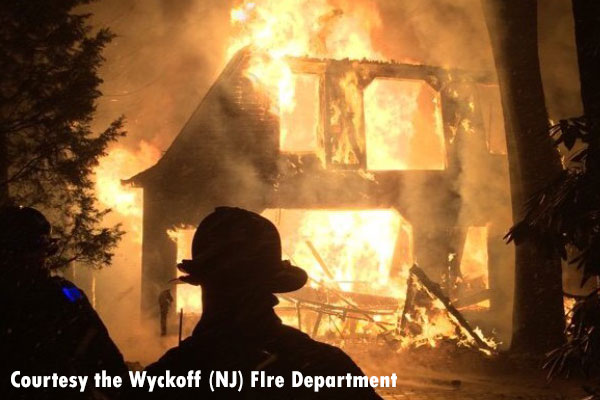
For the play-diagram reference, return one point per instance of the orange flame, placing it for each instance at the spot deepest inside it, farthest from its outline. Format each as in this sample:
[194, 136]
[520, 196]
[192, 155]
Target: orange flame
[189, 297]
[345, 239]
[316, 28]
[403, 126]
[124, 201]
[474, 261]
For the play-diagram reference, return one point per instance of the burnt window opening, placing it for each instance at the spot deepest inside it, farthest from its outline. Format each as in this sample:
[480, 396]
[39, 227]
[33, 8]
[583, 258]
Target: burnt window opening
[403, 126]
[386, 124]
[299, 115]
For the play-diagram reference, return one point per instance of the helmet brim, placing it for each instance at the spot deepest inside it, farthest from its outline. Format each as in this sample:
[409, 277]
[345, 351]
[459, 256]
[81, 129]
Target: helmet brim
[288, 279]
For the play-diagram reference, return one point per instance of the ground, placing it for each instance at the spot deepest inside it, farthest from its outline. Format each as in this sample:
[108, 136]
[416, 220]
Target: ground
[448, 373]
[443, 373]
[483, 388]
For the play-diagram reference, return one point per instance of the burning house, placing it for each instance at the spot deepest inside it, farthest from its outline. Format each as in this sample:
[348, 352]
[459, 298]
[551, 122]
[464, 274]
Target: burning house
[362, 176]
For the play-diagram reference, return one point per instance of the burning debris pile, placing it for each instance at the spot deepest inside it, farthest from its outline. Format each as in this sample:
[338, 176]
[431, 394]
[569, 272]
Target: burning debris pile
[354, 296]
[426, 316]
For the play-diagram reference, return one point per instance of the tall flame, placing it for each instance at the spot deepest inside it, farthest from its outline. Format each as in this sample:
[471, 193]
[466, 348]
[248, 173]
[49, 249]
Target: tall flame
[126, 202]
[394, 111]
[315, 28]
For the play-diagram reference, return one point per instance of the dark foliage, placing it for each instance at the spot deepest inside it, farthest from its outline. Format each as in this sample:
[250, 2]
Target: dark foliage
[567, 212]
[581, 353]
[49, 67]
[566, 216]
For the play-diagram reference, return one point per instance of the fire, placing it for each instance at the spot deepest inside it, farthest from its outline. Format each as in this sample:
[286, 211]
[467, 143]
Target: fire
[395, 111]
[189, 297]
[353, 252]
[397, 116]
[568, 305]
[302, 118]
[118, 163]
[126, 202]
[343, 239]
[474, 261]
[317, 28]
[434, 323]
[356, 247]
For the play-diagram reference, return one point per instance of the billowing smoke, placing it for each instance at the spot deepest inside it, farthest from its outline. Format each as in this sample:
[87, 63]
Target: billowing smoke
[164, 58]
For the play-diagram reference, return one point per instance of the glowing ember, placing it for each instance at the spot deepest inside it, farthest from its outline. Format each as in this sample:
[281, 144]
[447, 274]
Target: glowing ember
[403, 124]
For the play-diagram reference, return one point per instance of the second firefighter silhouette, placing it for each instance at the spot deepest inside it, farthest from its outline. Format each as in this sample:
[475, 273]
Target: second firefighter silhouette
[47, 325]
[165, 301]
[236, 258]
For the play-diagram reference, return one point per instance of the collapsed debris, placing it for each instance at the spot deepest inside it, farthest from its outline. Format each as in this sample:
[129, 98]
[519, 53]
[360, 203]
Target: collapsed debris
[435, 290]
[383, 312]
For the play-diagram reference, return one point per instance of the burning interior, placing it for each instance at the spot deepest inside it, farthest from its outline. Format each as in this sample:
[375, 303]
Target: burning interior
[358, 262]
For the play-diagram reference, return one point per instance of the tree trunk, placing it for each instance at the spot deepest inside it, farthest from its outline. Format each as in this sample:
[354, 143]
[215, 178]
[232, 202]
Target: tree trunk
[587, 37]
[4, 193]
[538, 316]
[586, 14]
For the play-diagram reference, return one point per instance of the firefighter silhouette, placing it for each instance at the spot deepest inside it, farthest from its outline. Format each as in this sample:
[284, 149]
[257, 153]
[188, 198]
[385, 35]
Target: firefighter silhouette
[47, 325]
[236, 259]
[165, 301]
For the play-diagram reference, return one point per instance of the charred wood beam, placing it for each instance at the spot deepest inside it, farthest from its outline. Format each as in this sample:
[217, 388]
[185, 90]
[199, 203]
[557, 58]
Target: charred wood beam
[320, 260]
[473, 299]
[365, 301]
[317, 305]
[341, 314]
[343, 298]
[377, 69]
[408, 303]
[436, 290]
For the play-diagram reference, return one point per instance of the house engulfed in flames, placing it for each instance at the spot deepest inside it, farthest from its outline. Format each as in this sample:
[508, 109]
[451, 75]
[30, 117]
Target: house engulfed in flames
[366, 175]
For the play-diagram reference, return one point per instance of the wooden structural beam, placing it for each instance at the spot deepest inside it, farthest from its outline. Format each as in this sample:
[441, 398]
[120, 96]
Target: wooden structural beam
[459, 319]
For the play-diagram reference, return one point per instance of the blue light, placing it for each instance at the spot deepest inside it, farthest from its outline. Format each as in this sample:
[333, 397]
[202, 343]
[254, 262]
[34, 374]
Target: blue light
[72, 294]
